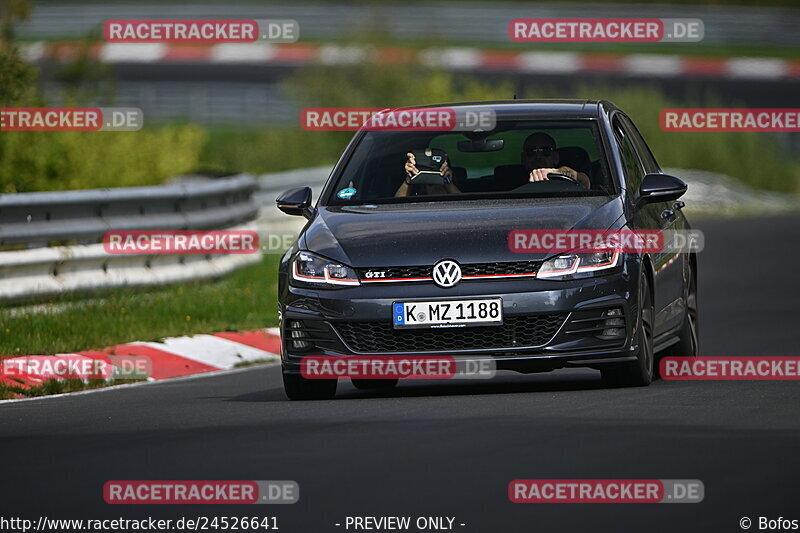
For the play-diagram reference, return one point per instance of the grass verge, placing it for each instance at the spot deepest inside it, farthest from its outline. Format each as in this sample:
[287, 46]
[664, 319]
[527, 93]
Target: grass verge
[246, 299]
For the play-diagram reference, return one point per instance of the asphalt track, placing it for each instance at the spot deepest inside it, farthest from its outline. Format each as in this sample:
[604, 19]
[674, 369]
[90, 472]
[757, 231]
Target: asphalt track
[447, 448]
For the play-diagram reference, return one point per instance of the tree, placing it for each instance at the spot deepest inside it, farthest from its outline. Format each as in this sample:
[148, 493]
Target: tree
[17, 78]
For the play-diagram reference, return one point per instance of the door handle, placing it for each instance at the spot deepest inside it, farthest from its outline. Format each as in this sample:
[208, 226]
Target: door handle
[667, 213]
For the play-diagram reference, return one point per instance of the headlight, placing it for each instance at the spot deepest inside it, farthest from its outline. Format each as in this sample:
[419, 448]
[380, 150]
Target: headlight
[578, 265]
[320, 271]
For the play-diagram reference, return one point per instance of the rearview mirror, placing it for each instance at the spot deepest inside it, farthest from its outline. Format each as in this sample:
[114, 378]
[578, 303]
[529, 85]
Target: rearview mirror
[660, 188]
[296, 202]
[481, 145]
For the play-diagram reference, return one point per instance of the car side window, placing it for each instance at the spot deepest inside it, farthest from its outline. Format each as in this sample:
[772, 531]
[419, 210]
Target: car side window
[646, 155]
[632, 166]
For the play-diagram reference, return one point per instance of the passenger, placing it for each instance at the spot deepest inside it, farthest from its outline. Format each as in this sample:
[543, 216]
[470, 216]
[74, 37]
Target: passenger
[407, 188]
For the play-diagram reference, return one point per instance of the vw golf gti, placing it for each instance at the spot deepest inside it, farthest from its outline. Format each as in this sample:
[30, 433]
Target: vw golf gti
[407, 250]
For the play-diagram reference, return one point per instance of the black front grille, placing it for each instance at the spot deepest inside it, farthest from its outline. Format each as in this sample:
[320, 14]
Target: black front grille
[495, 269]
[516, 332]
[474, 269]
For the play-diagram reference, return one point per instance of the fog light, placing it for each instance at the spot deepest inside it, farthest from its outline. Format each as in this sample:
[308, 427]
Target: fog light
[615, 327]
[295, 333]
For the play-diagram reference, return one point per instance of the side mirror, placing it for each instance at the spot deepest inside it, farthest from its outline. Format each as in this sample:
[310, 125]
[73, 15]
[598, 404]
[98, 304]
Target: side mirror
[296, 202]
[660, 188]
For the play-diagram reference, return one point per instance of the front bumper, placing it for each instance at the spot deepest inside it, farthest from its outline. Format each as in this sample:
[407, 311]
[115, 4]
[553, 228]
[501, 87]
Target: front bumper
[547, 324]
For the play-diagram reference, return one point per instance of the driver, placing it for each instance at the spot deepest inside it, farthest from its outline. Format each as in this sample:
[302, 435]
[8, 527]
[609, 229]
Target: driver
[447, 186]
[540, 157]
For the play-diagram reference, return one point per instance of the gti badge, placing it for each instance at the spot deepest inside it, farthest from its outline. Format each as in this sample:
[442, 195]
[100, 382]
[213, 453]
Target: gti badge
[375, 274]
[446, 273]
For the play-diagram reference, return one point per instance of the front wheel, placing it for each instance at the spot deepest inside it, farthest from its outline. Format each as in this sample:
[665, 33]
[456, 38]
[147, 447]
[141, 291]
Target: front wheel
[299, 388]
[639, 373]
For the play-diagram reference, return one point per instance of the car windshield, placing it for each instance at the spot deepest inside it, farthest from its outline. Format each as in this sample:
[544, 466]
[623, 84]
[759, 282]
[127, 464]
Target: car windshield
[483, 165]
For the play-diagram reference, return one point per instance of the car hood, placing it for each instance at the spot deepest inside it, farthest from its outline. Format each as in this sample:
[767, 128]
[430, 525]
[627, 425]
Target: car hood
[466, 231]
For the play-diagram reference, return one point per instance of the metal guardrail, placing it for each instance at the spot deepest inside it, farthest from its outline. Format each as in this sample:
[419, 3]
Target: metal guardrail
[79, 219]
[39, 218]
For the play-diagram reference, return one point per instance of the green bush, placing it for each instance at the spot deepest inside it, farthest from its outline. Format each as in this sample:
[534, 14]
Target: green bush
[270, 149]
[279, 148]
[370, 84]
[39, 161]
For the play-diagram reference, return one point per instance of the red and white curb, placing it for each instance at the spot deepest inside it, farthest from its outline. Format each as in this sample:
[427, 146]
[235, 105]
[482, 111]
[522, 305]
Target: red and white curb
[177, 356]
[539, 62]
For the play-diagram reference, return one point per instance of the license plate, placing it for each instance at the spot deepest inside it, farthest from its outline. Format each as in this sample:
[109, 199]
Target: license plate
[450, 313]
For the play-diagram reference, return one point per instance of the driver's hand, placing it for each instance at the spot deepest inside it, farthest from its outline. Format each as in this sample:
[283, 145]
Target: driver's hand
[411, 169]
[540, 174]
[446, 172]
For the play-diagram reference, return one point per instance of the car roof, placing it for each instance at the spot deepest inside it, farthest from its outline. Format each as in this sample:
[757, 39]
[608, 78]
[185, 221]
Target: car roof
[518, 109]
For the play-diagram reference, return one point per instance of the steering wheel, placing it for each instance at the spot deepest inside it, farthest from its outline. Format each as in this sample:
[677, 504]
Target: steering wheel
[563, 177]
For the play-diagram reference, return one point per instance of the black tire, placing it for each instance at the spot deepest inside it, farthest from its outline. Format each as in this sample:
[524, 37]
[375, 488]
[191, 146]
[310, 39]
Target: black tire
[689, 343]
[638, 373]
[372, 384]
[299, 388]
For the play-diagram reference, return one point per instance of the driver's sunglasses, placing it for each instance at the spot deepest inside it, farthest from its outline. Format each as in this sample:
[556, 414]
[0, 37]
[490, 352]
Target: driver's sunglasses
[540, 150]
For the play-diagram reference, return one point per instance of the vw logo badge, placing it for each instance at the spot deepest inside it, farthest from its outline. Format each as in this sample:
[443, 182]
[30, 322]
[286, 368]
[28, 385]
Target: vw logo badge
[446, 273]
